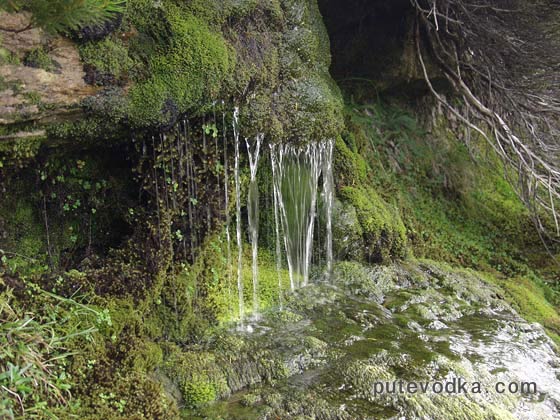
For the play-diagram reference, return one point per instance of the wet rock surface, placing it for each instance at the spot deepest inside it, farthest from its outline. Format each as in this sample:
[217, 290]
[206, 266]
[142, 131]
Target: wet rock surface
[327, 355]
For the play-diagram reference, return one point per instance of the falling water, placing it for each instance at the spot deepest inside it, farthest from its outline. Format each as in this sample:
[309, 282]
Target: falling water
[253, 215]
[328, 196]
[296, 171]
[238, 213]
[277, 230]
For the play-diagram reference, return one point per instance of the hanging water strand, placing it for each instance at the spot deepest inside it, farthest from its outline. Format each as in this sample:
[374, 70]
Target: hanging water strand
[328, 197]
[278, 247]
[253, 215]
[296, 172]
[238, 213]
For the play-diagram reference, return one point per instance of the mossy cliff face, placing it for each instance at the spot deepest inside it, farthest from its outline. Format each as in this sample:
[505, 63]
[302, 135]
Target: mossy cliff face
[165, 59]
[89, 205]
[96, 206]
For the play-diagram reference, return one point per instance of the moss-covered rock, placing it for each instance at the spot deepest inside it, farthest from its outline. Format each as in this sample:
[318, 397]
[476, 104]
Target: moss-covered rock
[383, 230]
[348, 242]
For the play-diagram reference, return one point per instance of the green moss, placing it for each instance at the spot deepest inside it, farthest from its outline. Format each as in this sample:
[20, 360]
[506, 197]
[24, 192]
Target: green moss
[189, 71]
[107, 56]
[39, 58]
[383, 229]
[19, 151]
[197, 374]
[85, 131]
[351, 168]
[205, 293]
[529, 299]
[23, 245]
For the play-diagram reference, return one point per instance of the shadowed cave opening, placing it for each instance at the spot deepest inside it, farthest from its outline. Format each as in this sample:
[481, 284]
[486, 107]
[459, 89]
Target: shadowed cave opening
[372, 46]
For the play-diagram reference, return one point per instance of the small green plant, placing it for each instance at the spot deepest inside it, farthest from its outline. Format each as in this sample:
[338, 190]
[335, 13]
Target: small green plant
[8, 57]
[34, 98]
[39, 59]
[211, 129]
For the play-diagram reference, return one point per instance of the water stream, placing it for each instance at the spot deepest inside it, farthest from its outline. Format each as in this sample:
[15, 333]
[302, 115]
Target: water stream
[253, 215]
[296, 172]
[238, 216]
[226, 202]
[328, 196]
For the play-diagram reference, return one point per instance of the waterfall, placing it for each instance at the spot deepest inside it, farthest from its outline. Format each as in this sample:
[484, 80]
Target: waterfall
[238, 214]
[253, 216]
[278, 247]
[296, 172]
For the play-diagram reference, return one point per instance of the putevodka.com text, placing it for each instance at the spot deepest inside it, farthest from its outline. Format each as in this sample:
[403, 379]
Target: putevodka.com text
[452, 386]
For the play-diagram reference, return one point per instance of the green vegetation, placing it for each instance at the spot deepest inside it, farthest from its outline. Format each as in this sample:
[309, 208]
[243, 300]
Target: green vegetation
[107, 56]
[383, 230]
[191, 68]
[121, 320]
[8, 57]
[39, 58]
[532, 299]
[35, 351]
[452, 209]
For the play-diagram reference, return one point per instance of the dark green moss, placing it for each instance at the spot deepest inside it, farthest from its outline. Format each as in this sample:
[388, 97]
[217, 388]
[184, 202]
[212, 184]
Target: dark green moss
[383, 230]
[39, 58]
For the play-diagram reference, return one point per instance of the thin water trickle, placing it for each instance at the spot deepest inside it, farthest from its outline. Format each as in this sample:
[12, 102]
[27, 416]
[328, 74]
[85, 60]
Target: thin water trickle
[253, 215]
[238, 214]
[278, 247]
[328, 196]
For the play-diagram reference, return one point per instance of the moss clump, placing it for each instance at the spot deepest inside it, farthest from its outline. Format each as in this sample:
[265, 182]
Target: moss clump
[40, 59]
[383, 230]
[351, 167]
[108, 58]
[197, 374]
[190, 69]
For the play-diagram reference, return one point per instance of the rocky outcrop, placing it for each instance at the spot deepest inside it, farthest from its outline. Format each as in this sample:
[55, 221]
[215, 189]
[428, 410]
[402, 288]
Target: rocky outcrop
[41, 76]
